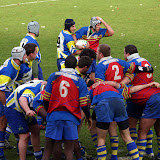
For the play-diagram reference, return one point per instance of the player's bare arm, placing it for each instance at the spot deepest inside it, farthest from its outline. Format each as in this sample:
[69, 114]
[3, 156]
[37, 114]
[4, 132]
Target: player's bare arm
[109, 28]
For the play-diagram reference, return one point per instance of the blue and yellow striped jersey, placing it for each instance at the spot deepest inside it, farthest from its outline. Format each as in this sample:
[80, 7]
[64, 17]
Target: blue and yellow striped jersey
[27, 90]
[31, 39]
[65, 45]
[8, 74]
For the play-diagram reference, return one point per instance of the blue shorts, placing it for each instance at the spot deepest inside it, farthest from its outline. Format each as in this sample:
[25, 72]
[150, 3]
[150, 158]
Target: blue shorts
[17, 121]
[1, 105]
[134, 110]
[60, 63]
[152, 109]
[61, 129]
[111, 109]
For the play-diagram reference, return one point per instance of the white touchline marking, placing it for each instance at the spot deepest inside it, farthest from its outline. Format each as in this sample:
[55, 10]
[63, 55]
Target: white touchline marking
[26, 3]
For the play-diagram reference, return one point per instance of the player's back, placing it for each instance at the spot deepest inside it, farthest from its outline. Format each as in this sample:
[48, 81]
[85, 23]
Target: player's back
[142, 77]
[111, 69]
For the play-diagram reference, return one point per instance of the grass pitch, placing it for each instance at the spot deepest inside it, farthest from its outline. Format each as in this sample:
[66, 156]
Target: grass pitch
[134, 22]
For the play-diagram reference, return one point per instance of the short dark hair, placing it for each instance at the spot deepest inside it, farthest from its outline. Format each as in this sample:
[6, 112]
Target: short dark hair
[88, 52]
[131, 49]
[70, 62]
[30, 48]
[105, 50]
[84, 61]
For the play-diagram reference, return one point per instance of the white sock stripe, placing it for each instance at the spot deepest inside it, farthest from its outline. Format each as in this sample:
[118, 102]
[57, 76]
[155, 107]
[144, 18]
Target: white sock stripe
[37, 153]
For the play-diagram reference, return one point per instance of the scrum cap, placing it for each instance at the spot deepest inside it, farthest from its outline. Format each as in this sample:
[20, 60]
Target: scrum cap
[18, 53]
[33, 27]
[68, 23]
[94, 22]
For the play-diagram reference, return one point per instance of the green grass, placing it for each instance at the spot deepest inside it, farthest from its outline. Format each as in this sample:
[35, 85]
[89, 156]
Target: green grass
[134, 22]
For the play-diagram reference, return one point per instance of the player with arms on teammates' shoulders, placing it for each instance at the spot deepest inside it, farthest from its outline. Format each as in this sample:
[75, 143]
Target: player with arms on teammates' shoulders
[65, 95]
[66, 44]
[112, 69]
[8, 74]
[33, 32]
[143, 105]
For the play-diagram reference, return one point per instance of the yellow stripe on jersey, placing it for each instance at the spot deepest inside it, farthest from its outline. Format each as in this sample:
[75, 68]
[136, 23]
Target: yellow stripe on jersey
[98, 79]
[17, 67]
[71, 46]
[46, 96]
[27, 91]
[3, 81]
[60, 53]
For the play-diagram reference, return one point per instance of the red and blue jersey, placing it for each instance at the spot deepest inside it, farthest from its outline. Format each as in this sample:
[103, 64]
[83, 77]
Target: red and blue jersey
[103, 91]
[66, 91]
[93, 38]
[142, 96]
[113, 69]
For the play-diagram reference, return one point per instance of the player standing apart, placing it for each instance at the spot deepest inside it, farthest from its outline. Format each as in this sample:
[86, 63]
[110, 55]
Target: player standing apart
[65, 43]
[33, 32]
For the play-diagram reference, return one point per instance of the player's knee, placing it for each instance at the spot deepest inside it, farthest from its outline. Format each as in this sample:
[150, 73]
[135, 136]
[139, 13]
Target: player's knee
[102, 125]
[123, 125]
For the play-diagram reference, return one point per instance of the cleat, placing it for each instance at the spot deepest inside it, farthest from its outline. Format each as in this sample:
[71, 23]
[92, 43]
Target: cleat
[150, 155]
[157, 158]
[7, 145]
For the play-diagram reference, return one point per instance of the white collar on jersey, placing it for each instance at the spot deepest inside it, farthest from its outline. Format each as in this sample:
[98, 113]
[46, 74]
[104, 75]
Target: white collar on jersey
[69, 70]
[132, 56]
[105, 58]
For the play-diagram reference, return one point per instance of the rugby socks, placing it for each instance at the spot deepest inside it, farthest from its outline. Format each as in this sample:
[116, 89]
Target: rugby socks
[149, 148]
[94, 139]
[133, 150]
[114, 140]
[2, 136]
[133, 134]
[158, 142]
[141, 145]
[101, 152]
[8, 132]
[38, 155]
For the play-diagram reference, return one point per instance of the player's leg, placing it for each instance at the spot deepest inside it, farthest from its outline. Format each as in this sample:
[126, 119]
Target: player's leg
[22, 145]
[49, 148]
[93, 130]
[114, 140]
[157, 130]
[144, 127]
[125, 134]
[70, 134]
[35, 139]
[82, 151]
[57, 150]
[68, 149]
[132, 128]
[3, 124]
[102, 129]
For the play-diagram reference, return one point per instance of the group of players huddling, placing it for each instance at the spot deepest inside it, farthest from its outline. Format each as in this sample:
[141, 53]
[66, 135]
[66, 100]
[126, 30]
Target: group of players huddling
[79, 88]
